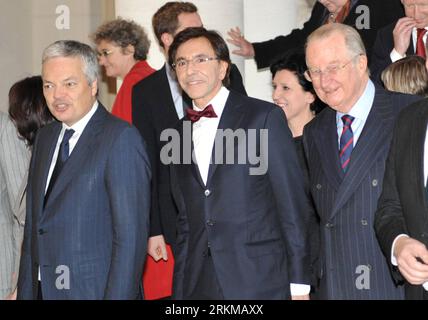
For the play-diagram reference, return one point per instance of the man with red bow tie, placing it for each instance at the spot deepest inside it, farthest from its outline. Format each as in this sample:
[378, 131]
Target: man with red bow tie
[241, 226]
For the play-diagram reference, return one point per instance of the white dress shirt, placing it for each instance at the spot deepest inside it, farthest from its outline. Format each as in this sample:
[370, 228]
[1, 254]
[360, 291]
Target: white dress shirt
[78, 128]
[393, 259]
[360, 111]
[396, 56]
[203, 135]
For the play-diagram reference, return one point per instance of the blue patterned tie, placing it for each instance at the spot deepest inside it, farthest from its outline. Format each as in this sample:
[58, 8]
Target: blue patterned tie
[346, 142]
[63, 154]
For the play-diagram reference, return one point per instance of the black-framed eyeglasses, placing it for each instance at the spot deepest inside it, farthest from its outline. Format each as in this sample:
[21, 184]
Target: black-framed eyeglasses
[331, 70]
[182, 63]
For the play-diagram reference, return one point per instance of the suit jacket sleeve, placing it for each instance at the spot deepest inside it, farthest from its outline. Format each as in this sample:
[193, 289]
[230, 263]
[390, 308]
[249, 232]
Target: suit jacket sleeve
[25, 278]
[381, 57]
[267, 51]
[292, 202]
[142, 120]
[389, 221]
[14, 158]
[128, 188]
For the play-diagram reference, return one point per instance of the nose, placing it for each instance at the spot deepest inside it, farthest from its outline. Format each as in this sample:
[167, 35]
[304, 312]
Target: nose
[190, 68]
[275, 93]
[58, 92]
[101, 60]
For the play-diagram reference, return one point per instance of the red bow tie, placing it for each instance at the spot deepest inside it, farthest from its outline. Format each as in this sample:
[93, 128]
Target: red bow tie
[194, 115]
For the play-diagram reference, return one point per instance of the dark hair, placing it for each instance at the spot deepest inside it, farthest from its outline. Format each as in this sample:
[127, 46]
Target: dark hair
[124, 33]
[165, 20]
[217, 43]
[27, 107]
[294, 61]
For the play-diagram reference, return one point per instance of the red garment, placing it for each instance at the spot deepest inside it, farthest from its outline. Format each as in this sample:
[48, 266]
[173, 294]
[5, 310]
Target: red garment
[122, 107]
[420, 45]
[157, 277]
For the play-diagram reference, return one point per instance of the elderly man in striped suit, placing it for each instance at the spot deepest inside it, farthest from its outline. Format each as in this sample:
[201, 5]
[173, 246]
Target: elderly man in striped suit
[346, 146]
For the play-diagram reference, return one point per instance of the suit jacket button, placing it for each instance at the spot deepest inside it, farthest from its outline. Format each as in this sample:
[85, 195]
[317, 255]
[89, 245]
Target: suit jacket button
[210, 223]
[364, 222]
[374, 183]
[318, 186]
[41, 231]
[207, 193]
[329, 225]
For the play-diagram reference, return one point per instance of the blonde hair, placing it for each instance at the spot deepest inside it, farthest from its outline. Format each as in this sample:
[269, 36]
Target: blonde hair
[408, 75]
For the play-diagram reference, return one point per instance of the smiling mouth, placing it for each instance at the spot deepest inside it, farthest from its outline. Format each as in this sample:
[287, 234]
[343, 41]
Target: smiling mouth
[282, 104]
[194, 82]
[60, 107]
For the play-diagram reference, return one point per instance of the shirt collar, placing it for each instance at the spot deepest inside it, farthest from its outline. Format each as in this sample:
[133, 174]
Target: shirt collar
[80, 125]
[362, 107]
[218, 102]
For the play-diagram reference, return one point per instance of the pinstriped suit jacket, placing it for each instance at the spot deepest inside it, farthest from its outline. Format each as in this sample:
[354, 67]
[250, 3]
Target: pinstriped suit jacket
[94, 224]
[14, 158]
[352, 264]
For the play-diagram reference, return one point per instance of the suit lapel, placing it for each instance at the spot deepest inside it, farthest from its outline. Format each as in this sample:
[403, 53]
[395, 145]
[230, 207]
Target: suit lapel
[373, 142]
[230, 119]
[184, 156]
[326, 139]
[41, 170]
[80, 152]
[417, 141]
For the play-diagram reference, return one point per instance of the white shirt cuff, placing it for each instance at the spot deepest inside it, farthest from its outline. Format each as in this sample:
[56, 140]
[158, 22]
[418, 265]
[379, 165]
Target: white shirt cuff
[299, 289]
[394, 55]
[393, 259]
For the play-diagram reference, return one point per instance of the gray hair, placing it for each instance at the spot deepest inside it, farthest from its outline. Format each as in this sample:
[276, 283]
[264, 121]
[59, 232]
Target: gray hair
[353, 41]
[70, 48]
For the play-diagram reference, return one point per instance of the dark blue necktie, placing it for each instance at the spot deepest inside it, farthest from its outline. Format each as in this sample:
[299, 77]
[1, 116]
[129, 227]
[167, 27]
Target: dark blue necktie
[346, 142]
[63, 154]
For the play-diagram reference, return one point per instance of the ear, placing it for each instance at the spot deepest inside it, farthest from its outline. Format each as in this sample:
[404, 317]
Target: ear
[129, 50]
[309, 97]
[94, 88]
[167, 39]
[362, 63]
[223, 69]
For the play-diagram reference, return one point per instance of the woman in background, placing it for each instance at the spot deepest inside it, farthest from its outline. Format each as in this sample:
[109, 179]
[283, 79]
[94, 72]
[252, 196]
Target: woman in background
[294, 94]
[122, 47]
[28, 112]
[408, 75]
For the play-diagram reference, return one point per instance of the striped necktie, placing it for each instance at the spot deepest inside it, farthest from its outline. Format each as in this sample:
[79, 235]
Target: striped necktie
[346, 142]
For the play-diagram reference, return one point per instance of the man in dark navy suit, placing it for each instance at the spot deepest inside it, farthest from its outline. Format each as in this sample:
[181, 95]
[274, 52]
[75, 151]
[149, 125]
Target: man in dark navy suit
[241, 227]
[346, 147]
[88, 193]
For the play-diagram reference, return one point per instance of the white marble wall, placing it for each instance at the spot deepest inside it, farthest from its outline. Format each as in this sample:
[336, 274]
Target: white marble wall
[260, 20]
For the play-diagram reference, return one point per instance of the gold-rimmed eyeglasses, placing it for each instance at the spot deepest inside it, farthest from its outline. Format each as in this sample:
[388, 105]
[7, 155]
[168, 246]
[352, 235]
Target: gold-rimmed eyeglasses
[104, 53]
[331, 70]
[182, 63]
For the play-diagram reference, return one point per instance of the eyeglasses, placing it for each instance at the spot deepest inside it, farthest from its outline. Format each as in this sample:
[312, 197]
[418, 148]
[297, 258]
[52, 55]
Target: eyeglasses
[197, 61]
[104, 53]
[331, 70]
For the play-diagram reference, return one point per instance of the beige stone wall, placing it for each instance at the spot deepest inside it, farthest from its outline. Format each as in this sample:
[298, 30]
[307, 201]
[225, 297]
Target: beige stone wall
[30, 25]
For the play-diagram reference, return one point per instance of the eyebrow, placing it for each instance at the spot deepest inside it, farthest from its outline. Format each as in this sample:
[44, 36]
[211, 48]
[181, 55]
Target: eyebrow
[195, 56]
